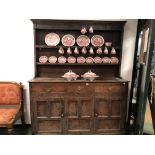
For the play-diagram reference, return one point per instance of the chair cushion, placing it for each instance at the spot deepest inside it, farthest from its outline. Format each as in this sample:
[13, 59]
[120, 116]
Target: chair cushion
[9, 94]
[7, 116]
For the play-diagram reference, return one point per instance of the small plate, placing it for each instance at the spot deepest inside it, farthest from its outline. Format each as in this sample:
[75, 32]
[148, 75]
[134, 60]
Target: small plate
[83, 41]
[52, 39]
[114, 60]
[97, 40]
[97, 60]
[68, 40]
[106, 60]
[89, 60]
[62, 59]
[52, 59]
[81, 60]
[43, 59]
[71, 59]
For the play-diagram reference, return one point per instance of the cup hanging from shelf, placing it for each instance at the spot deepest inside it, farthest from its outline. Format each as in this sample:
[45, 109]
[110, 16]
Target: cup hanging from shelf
[105, 50]
[84, 50]
[99, 51]
[113, 51]
[91, 30]
[61, 50]
[83, 30]
[76, 51]
[91, 51]
[69, 51]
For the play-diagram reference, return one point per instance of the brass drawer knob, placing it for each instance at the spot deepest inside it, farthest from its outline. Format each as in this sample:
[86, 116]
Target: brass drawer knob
[49, 90]
[96, 114]
[87, 84]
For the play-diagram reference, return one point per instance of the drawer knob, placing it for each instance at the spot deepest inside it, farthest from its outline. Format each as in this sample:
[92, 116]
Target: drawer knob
[87, 84]
[49, 90]
[96, 114]
[62, 115]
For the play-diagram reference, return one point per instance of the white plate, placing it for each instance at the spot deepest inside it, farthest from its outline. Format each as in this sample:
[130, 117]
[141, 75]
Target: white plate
[97, 40]
[43, 59]
[81, 60]
[71, 59]
[83, 41]
[62, 59]
[68, 40]
[52, 39]
[52, 59]
[89, 60]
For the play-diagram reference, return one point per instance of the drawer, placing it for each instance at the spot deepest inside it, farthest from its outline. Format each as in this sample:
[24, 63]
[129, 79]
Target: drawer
[47, 87]
[112, 88]
[80, 88]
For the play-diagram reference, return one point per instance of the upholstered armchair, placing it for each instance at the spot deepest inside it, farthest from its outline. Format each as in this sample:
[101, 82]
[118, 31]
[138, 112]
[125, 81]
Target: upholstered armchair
[11, 104]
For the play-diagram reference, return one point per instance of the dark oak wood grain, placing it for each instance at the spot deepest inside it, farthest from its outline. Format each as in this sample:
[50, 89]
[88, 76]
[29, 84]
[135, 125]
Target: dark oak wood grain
[77, 107]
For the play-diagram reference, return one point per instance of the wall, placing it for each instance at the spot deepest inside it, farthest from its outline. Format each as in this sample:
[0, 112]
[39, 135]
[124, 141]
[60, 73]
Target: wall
[17, 55]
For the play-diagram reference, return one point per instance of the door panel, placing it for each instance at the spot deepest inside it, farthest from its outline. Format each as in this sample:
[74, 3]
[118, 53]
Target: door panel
[79, 115]
[107, 124]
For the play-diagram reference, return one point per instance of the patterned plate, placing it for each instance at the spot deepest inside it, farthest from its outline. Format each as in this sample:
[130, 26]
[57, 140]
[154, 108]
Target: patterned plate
[97, 41]
[89, 60]
[106, 60]
[62, 59]
[81, 60]
[83, 41]
[43, 59]
[68, 40]
[52, 59]
[71, 59]
[97, 60]
[52, 39]
[114, 60]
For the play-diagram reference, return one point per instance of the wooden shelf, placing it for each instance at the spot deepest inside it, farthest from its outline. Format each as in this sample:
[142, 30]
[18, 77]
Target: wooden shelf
[77, 64]
[65, 47]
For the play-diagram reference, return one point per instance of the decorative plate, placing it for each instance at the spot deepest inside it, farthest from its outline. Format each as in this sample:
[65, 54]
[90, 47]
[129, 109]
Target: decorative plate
[89, 60]
[106, 60]
[71, 59]
[52, 39]
[83, 41]
[43, 59]
[97, 41]
[52, 59]
[62, 59]
[81, 60]
[114, 60]
[68, 40]
[97, 60]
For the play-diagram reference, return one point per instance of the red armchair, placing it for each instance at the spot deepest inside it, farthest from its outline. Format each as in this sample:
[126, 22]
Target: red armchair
[11, 104]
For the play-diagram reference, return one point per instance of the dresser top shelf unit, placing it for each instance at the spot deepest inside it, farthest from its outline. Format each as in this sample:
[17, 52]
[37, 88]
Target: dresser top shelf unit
[111, 31]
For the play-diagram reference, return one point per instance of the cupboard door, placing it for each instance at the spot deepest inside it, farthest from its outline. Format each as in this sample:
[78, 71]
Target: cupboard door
[49, 113]
[79, 115]
[109, 106]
